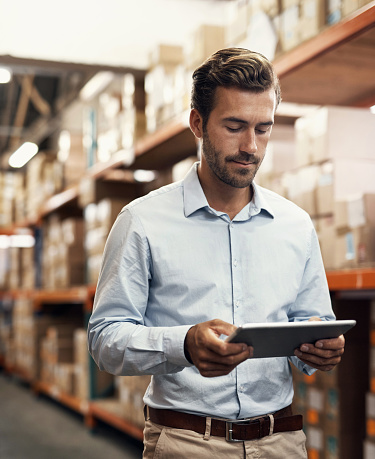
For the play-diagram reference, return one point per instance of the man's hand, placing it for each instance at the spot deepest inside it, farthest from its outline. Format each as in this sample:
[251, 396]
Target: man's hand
[324, 355]
[211, 355]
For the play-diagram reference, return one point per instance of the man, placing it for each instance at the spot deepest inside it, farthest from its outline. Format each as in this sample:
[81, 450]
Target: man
[191, 261]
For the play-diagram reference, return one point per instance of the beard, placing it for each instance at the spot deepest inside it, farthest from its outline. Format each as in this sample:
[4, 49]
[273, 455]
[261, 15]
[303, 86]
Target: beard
[219, 165]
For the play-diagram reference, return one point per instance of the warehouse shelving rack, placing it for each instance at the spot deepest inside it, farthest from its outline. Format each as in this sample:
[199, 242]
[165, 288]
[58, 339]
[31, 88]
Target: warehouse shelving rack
[325, 66]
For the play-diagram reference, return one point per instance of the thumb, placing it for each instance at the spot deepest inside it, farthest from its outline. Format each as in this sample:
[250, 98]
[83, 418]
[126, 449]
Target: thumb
[219, 327]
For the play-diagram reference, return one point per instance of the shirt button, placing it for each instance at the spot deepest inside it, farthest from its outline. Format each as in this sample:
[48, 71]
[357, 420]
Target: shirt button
[241, 389]
[237, 303]
[235, 262]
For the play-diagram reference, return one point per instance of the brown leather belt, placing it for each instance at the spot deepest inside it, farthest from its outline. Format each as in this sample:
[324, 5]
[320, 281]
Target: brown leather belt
[232, 430]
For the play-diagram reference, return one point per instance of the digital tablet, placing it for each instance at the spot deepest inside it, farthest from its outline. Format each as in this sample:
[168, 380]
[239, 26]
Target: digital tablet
[280, 339]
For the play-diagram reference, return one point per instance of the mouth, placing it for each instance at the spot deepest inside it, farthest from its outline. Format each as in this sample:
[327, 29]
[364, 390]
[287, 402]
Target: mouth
[243, 163]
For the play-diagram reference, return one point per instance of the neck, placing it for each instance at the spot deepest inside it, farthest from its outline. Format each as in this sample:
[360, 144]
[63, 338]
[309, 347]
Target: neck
[223, 197]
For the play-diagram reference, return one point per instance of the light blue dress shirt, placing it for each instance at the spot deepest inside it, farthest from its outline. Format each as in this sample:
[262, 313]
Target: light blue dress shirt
[171, 261]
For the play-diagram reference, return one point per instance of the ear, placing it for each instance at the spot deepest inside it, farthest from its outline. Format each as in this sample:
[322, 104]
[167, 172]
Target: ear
[196, 123]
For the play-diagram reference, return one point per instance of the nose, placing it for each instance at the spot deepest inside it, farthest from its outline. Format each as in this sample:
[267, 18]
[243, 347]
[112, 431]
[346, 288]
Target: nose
[248, 142]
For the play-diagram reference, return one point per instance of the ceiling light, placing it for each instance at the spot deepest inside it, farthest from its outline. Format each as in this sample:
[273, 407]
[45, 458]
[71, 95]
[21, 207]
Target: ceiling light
[141, 175]
[372, 109]
[23, 155]
[22, 240]
[96, 85]
[5, 75]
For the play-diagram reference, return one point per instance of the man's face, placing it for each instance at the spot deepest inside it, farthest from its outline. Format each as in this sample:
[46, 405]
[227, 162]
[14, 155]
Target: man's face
[237, 133]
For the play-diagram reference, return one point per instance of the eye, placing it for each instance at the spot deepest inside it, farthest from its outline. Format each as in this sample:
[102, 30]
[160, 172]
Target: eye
[263, 131]
[233, 129]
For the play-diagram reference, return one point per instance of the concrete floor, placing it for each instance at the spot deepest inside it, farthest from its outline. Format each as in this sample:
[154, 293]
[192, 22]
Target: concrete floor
[38, 428]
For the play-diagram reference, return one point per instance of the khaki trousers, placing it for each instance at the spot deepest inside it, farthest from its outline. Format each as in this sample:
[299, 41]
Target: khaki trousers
[167, 443]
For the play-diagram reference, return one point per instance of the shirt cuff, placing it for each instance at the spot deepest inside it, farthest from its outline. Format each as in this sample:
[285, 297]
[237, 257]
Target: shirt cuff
[303, 367]
[174, 340]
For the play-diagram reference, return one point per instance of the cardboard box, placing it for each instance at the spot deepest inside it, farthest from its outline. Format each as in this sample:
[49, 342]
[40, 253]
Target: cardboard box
[131, 390]
[290, 35]
[64, 378]
[315, 442]
[327, 134]
[164, 54]
[325, 189]
[355, 248]
[206, 40]
[354, 212]
[315, 405]
[312, 18]
[332, 440]
[349, 6]
[333, 11]
[368, 449]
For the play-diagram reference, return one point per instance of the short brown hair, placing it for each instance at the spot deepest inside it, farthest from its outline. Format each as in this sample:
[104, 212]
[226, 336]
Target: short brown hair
[231, 67]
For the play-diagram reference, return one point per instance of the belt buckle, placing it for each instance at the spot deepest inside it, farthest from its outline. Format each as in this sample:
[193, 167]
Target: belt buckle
[229, 428]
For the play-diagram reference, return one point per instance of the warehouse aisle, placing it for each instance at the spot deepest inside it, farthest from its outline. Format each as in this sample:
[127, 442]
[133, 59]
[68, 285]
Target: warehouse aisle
[34, 427]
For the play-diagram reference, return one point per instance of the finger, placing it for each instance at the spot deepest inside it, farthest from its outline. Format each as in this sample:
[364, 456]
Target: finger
[209, 362]
[208, 358]
[326, 353]
[208, 337]
[334, 343]
[225, 349]
[220, 327]
[326, 367]
[317, 361]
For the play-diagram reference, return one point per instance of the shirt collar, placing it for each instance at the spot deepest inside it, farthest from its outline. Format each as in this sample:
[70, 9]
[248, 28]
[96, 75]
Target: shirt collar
[260, 202]
[195, 199]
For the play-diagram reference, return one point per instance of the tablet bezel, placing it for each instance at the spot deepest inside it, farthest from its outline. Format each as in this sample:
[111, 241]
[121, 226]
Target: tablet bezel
[280, 339]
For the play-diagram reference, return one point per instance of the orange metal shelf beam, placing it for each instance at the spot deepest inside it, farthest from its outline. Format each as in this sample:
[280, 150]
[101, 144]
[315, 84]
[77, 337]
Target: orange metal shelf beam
[96, 411]
[328, 39]
[80, 406]
[17, 371]
[354, 279]
[59, 200]
[161, 135]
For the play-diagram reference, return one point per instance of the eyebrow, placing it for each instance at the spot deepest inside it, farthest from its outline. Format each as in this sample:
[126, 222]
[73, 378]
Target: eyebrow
[233, 119]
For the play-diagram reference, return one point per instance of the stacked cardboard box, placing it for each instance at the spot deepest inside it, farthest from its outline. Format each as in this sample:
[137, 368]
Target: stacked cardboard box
[20, 268]
[28, 271]
[130, 394]
[56, 354]
[23, 335]
[81, 365]
[99, 219]
[319, 398]
[333, 181]
[6, 331]
[15, 270]
[63, 253]
[43, 180]
[166, 85]
[298, 20]
[333, 403]
[369, 443]
[7, 190]
[89, 381]
[120, 117]
[28, 329]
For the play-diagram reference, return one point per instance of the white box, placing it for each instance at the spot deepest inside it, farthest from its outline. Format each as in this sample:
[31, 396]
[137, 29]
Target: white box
[330, 132]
